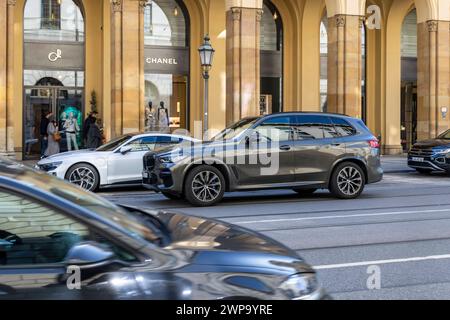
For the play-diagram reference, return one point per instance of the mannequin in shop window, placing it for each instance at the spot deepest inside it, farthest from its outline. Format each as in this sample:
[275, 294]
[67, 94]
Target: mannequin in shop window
[150, 117]
[163, 118]
[72, 128]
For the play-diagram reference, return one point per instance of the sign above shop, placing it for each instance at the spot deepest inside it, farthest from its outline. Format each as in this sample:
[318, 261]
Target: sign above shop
[51, 56]
[167, 60]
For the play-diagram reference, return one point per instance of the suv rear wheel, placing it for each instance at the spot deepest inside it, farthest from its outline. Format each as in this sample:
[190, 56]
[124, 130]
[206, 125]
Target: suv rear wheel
[204, 186]
[347, 181]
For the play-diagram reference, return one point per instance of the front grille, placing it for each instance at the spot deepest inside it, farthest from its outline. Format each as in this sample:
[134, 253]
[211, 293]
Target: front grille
[419, 152]
[149, 162]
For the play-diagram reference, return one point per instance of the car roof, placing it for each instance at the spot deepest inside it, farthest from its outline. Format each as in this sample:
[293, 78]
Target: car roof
[159, 134]
[308, 113]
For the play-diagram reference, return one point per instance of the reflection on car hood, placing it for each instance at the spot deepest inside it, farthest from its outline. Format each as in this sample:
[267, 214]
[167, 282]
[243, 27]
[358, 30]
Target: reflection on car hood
[432, 143]
[212, 242]
[71, 154]
[195, 233]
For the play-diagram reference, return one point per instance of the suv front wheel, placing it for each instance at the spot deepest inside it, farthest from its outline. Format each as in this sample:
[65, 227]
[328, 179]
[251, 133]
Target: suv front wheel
[204, 186]
[348, 181]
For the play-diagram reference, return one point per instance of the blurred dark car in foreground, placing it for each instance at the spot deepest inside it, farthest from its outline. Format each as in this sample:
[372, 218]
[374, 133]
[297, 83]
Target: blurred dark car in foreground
[431, 155]
[60, 242]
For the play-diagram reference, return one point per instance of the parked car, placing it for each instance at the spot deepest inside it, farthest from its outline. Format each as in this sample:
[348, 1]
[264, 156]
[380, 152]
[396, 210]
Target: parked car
[310, 151]
[55, 237]
[117, 163]
[431, 155]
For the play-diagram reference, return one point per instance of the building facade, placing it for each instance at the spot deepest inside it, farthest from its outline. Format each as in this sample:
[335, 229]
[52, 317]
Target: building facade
[385, 61]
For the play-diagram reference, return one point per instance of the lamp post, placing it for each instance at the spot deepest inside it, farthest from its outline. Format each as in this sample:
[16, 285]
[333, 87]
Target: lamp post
[206, 52]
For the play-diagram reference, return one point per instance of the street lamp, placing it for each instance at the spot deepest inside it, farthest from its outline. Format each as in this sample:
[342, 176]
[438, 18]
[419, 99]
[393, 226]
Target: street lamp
[206, 52]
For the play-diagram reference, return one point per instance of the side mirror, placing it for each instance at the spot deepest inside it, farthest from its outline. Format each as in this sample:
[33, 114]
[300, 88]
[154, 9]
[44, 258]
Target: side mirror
[125, 149]
[88, 253]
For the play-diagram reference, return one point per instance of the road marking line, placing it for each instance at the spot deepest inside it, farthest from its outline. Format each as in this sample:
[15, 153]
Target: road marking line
[379, 262]
[342, 216]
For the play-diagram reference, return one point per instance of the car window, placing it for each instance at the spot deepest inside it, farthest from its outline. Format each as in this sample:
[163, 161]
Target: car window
[32, 233]
[115, 143]
[343, 128]
[276, 129]
[143, 144]
[314, 127]
[167, 141]
[445, 135]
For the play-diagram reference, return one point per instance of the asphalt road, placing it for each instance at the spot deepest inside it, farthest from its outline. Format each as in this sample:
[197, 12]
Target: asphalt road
[401, 226]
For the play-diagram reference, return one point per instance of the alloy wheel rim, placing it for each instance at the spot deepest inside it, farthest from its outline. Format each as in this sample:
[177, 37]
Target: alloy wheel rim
[206, 186]
[83, 177]
[349, 181]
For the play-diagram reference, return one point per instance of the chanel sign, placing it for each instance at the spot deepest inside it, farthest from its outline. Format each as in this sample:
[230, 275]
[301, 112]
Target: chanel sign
[167, 60]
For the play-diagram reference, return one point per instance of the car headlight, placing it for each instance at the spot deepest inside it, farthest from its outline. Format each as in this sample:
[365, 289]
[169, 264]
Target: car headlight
[49, 166]
[300, 286]
[173, 158]
[441, 151]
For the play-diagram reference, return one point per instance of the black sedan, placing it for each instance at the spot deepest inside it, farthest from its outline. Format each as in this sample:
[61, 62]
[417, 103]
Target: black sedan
[60, 242]
[431, 155]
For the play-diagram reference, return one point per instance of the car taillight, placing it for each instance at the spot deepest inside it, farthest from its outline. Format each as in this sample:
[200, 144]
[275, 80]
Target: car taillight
[374, 144]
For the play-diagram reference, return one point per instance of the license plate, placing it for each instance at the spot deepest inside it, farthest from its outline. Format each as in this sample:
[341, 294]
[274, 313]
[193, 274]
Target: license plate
[145, 174]
[415, 159]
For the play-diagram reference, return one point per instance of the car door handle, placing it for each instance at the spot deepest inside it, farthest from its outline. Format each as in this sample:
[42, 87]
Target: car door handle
[336, 144]
[285, 148]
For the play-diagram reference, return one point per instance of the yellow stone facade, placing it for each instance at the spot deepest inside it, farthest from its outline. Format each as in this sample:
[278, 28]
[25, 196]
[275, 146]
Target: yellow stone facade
[114, 63]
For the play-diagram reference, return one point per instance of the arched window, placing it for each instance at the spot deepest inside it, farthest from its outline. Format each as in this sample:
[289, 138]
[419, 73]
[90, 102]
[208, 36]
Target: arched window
[53, 20]
[409, 80]
[271, 60]
[165, 24]
[166, 40]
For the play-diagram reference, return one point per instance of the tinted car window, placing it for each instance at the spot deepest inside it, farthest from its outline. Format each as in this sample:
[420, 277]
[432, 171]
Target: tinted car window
[276, 129]
[113, 144]
[143, 144]
[31, 233]
[167, 141]
[343, 128]
[313, 127]
[445, 135]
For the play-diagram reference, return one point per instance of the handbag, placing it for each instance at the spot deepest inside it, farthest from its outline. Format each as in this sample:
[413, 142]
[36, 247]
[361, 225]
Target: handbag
[57, 136]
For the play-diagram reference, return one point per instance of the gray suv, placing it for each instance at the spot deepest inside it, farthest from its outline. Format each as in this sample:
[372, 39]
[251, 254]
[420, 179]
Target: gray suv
[299, 151]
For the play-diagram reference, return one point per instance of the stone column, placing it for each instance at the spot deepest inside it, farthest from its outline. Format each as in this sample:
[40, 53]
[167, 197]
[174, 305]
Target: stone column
[243, 62]
[344, 64]
[131, 65]
[116, 69]
[142, 6]
[9, 112]
[433, 78]
[3, 73]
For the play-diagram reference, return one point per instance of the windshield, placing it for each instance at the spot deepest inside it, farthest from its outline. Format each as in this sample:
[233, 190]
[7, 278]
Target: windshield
[107, 210]
[113, 144]
[445, 135]
[235, 130]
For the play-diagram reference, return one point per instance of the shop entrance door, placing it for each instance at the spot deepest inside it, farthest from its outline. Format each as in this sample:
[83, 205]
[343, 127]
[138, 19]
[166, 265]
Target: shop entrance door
[66, 105]
[409, 114]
